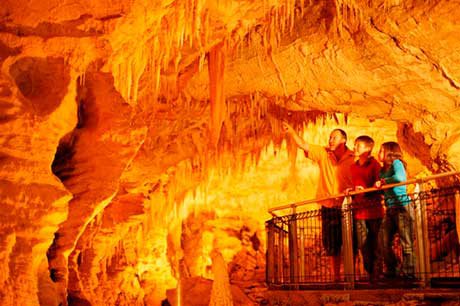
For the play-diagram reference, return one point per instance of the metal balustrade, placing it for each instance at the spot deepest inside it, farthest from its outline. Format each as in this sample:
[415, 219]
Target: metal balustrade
[296, 257]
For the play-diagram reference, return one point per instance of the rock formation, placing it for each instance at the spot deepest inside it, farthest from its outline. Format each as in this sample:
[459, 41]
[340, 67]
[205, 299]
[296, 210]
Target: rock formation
[137, 136]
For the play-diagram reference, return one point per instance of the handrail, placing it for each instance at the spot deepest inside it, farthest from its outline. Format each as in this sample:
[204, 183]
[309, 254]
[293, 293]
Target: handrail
[351, 193]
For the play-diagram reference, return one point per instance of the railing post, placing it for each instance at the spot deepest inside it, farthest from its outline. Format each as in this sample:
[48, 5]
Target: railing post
[420, 245]
[347, 238]
[282, 273]
[457, 213]
[426, 238]
[421, 232]
[293, 249]
[302, 255]
[270, 253]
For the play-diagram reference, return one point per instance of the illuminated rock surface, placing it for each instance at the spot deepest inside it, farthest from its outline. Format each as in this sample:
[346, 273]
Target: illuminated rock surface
[138, 136]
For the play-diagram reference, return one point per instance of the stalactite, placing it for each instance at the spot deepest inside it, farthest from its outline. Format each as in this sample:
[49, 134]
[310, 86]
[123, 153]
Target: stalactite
[216, 66]
[387, 4]
[7, 247]
[187, 22]
[129, 79]
[348, 12]
[292, 155]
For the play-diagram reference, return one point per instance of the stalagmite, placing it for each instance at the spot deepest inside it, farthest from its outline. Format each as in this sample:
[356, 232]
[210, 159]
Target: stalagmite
[220, 294]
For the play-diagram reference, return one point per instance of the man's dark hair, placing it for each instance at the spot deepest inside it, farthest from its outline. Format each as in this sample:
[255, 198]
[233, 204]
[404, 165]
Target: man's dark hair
[165, 302]
[342, 132]
[367, 140]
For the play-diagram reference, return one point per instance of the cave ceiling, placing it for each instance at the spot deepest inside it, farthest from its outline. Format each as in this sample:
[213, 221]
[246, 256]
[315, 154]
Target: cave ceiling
[134, 132]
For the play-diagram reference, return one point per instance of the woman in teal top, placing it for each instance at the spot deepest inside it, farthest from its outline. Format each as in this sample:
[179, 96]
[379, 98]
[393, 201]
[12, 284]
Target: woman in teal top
[398, 218]
[392, 173]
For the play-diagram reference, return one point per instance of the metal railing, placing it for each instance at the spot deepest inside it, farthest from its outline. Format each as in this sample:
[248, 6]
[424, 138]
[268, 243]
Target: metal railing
[297, 254]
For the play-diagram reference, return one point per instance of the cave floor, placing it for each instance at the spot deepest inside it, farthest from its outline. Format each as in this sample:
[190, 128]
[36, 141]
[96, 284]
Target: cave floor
[400, 297]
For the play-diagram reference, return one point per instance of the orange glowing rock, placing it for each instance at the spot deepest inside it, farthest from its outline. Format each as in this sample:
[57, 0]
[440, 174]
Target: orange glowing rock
[135, 134]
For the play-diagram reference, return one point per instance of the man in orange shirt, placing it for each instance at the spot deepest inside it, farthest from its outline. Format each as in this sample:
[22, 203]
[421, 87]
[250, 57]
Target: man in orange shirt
[334, 177]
